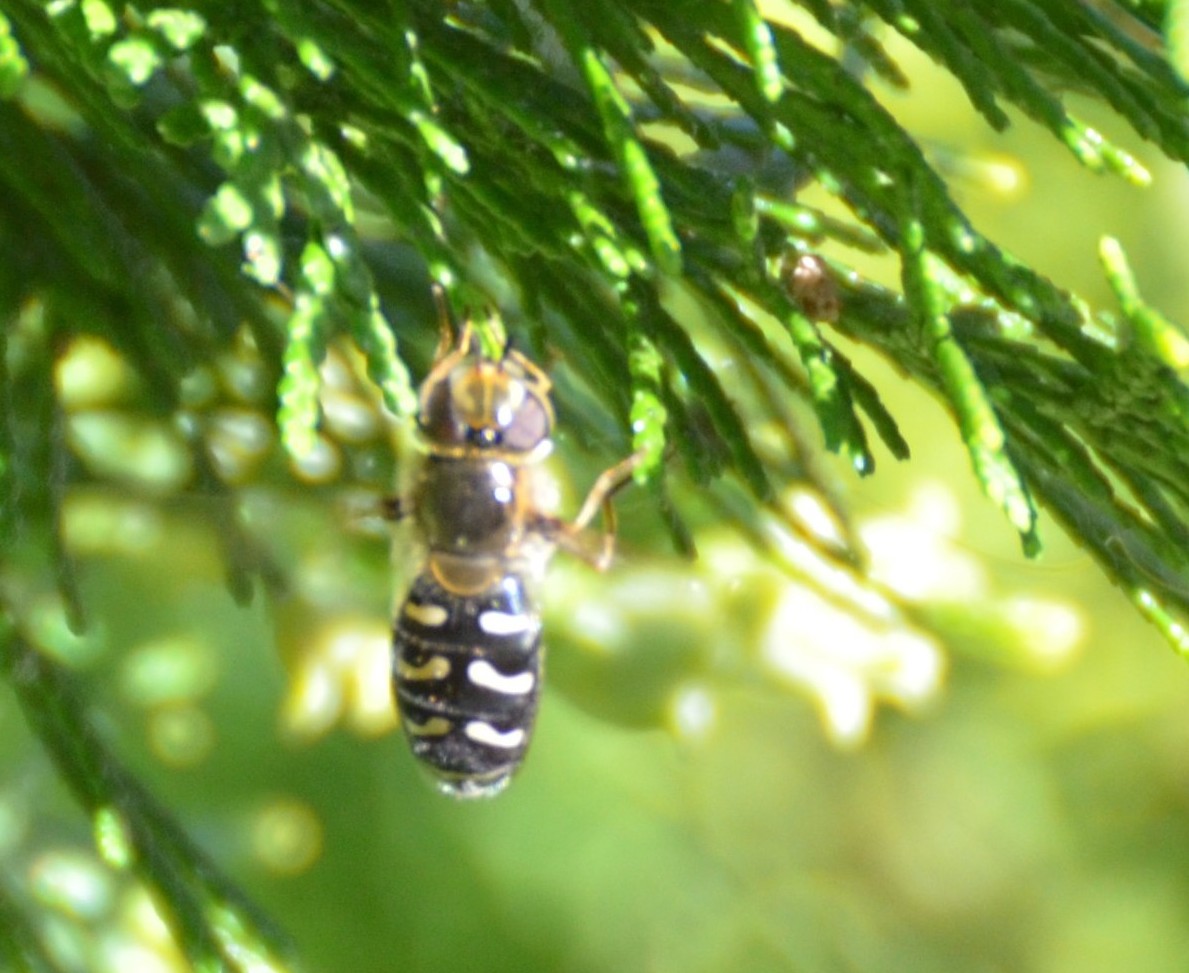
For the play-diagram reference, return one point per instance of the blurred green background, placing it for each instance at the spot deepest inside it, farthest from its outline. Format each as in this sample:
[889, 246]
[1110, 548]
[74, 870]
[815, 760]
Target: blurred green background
[727, 774]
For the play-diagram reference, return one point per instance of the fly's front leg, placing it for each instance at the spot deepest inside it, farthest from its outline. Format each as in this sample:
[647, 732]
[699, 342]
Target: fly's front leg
[568, 535]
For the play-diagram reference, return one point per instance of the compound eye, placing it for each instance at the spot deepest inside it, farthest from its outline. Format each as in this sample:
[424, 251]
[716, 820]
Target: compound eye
[529, 427]
[438, 419]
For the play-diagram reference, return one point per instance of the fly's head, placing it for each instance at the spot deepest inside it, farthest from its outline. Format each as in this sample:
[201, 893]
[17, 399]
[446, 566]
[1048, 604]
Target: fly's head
[474, 405]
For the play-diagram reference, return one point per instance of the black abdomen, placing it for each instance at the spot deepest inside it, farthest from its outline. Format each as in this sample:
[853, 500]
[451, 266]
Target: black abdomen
[466, 674]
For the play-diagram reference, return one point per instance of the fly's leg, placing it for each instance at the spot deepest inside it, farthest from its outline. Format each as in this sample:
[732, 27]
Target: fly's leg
[568, 535]
[395, 508]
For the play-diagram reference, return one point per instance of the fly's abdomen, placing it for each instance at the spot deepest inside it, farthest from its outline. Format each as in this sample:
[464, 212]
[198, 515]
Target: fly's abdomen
[466, 675]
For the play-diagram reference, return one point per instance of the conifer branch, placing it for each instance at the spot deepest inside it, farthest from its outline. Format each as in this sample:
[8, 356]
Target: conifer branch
[177, 182]
[217, 926]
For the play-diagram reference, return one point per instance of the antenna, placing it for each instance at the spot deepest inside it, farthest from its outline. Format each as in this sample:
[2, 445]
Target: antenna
[446, 327]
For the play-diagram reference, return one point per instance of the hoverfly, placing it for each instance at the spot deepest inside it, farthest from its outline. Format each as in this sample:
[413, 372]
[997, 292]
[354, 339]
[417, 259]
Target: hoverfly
[466, 670]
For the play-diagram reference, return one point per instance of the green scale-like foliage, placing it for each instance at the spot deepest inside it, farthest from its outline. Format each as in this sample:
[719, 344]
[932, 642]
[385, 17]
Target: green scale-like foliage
[564, 163]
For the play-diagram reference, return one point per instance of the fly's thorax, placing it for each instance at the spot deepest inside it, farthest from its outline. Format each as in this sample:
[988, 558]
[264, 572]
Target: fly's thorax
[472, 507]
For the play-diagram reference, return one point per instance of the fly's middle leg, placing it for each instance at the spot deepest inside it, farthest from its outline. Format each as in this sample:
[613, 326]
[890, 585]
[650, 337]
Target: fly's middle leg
[568, 535]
